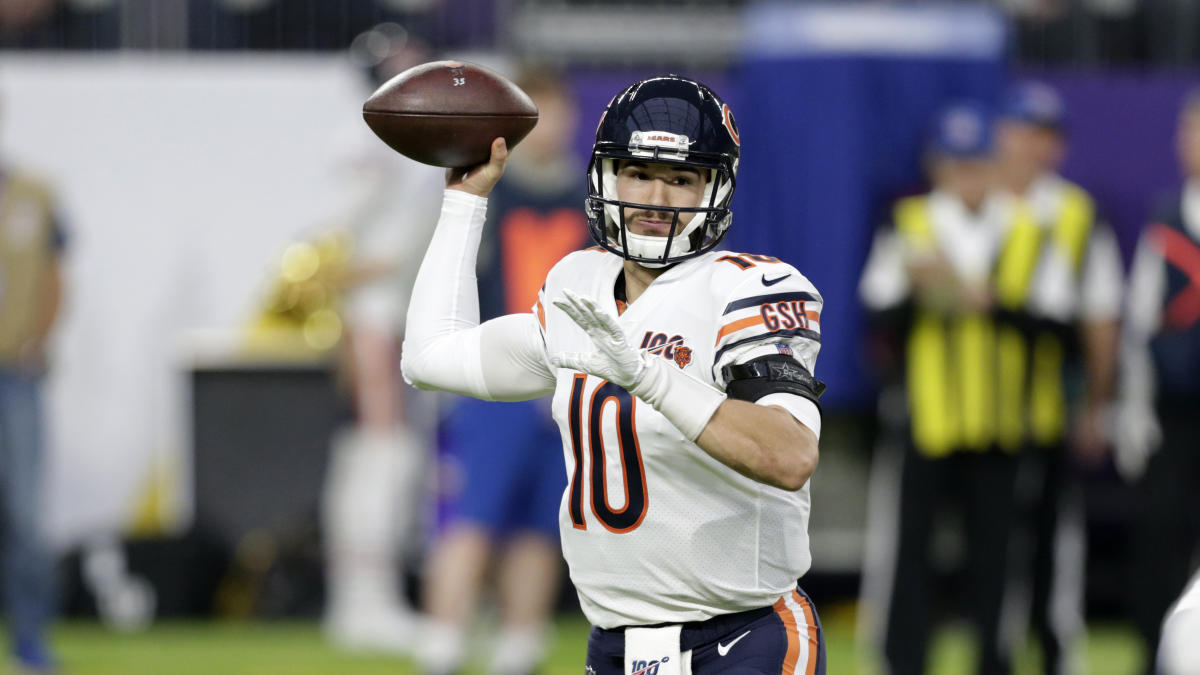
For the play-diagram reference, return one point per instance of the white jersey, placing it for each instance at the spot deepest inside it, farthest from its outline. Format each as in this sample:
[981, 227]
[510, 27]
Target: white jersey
[654, 529]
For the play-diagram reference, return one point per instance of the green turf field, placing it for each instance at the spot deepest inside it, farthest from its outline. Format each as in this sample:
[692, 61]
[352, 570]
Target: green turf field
[298, 649]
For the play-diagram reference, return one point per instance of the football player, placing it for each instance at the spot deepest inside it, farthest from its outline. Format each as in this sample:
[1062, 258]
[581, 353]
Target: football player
[683, 389]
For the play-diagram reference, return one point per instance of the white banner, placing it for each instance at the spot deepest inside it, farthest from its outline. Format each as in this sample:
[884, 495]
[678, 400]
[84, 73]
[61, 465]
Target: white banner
[181, 181]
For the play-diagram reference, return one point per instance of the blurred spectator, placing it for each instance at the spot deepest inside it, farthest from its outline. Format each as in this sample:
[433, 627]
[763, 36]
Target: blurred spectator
[1069, 305]
[1160, 385]
[372, 488]
[31, 247]
[938, 277]
[16, 15]
[285, 24]
[505, 459]
[71, 24]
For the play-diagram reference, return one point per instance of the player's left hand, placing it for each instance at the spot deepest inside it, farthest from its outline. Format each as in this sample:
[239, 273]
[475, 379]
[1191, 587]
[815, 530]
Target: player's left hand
[615, 359]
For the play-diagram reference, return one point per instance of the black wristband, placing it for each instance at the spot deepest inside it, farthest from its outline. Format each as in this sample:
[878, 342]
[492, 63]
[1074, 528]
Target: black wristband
[772, 374]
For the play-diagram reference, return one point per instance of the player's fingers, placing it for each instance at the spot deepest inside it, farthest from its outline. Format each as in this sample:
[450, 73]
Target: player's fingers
[579, 309]
[593, 310]
[571, 312]
[494, 167]
[499, 151]
[599, 324]
[607, 322]
[481, 178]
[565, 303]
[571, 296]
[610, 324]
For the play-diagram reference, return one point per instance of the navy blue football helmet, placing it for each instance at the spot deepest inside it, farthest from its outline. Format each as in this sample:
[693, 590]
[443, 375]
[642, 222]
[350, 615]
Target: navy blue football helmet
[670, 120]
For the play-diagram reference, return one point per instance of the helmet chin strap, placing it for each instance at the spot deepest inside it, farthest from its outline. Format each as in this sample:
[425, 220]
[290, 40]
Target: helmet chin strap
[652, 246]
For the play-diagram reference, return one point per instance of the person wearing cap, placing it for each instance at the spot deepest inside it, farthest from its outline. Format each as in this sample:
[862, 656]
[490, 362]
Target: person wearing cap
[1157, 426]
[1068, 317]
[940, 275]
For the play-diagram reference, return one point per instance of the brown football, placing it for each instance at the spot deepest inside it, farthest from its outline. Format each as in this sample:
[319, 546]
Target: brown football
[447, 113]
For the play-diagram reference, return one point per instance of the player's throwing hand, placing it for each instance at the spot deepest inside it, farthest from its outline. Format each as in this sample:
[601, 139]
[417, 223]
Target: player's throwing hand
[479, 180]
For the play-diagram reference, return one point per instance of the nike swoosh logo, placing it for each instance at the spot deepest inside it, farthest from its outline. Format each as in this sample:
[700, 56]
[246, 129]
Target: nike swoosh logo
[772, 282]
[722, 650]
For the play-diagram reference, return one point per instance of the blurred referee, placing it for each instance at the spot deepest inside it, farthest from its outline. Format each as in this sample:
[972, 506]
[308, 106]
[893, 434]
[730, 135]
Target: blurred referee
[954, 258]
[1070, 310]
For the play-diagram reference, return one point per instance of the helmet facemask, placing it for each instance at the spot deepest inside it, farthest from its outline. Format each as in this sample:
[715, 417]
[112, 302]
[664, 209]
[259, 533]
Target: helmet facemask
[705, 224]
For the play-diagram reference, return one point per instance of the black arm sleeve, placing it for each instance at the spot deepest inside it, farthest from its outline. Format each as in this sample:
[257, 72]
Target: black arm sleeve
[772, 374]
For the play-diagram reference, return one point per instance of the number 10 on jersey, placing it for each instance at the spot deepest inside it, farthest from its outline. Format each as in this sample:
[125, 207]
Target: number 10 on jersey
[591, 410]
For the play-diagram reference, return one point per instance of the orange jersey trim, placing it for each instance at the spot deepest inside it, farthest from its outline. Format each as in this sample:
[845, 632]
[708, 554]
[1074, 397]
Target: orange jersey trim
[734, 326]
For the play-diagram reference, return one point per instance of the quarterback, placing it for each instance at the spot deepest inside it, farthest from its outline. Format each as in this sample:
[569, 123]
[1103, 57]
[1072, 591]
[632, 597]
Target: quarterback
[682, 384]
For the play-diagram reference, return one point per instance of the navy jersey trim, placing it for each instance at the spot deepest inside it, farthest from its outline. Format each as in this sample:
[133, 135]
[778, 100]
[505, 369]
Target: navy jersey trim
[795, 332]
[763, 299]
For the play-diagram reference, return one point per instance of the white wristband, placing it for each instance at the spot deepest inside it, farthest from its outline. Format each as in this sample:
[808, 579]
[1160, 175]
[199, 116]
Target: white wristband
[685, 401]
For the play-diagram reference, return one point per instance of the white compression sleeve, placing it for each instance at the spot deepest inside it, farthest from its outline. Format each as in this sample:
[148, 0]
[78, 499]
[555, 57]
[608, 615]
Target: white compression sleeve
[444, 345]
[685, 401]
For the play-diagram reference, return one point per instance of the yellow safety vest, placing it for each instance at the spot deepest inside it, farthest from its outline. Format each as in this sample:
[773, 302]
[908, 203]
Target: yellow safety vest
[1047, 401]
[966, 371]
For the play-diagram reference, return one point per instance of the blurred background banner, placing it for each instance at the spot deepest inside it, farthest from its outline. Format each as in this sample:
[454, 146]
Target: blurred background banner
[182, 179]
[835, 101]
[1122, 127]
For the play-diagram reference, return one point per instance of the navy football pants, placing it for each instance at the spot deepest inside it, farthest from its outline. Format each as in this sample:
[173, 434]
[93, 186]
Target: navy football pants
[784, 638]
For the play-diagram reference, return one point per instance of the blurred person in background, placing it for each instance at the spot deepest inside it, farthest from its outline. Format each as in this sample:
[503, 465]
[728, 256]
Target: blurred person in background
[1160, 386]
[1179, 652]
[936, 279]
[504, 475]
[372, 490]
[31, 247]
[1070, 306]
